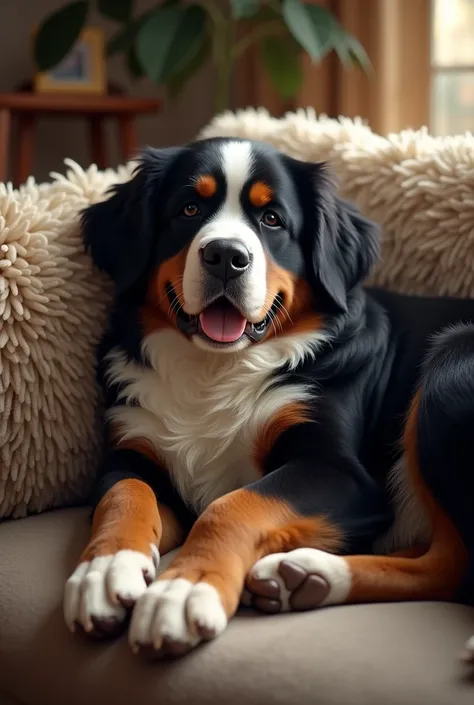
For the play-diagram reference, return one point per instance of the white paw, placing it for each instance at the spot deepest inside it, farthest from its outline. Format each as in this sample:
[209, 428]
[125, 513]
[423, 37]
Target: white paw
[174, 616]
[100, 591]
[305, 578]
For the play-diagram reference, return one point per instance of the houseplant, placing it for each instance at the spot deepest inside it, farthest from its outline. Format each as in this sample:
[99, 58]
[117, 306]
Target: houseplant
[171, 40]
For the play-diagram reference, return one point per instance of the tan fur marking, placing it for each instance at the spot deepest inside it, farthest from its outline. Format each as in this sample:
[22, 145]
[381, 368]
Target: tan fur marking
[260, 194]
[206, 186]
[129, 517]
[238, 529]
[158, 313]
[434, 574]
[153, 319]
[287, 416]
[172, 533]
[126, 518]
[297, 314]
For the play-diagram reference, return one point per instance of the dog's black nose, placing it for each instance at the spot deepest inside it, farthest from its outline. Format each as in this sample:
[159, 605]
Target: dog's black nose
[225, 259]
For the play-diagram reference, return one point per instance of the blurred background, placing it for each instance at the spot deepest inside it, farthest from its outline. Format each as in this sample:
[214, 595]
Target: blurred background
[421, 72]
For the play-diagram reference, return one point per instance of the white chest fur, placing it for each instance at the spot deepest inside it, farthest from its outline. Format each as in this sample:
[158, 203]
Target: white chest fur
[201, 411]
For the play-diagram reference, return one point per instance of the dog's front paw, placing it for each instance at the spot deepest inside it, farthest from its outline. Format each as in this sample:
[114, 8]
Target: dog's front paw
[173, 616]
[101, 592]
[302, 579]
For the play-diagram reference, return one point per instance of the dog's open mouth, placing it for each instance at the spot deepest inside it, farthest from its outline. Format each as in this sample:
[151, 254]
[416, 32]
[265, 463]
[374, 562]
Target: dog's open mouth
[221, 322]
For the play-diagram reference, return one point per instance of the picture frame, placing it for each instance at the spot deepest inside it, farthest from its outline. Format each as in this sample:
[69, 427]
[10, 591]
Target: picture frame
[83, 70]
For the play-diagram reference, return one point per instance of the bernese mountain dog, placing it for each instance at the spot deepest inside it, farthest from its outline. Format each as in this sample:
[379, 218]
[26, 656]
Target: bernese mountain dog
[306, 441]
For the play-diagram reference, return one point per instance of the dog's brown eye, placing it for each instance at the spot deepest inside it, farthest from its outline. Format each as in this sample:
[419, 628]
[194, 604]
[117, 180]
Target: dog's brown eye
[271, 219]
[190, 210]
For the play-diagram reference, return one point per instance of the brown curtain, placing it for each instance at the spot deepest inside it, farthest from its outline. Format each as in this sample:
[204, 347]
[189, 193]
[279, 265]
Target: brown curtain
[394, 96]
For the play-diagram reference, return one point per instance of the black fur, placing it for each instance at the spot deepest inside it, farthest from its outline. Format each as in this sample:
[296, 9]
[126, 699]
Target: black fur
[120, 231]
[343, 245]
[445, 430]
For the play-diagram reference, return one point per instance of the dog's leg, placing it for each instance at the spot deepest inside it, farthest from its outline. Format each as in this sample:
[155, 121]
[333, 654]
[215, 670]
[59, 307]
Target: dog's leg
[130, 529]
[300, 500]
[194, 598]
[438, 452]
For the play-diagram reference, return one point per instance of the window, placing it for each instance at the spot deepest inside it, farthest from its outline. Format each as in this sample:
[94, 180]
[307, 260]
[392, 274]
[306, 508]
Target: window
[452, 67]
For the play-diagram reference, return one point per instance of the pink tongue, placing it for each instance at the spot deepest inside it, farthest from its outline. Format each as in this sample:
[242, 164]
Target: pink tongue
[222, 323]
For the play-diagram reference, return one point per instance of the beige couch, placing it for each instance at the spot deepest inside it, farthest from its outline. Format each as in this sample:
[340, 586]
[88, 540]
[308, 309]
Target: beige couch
[376, 654]
[421, 190]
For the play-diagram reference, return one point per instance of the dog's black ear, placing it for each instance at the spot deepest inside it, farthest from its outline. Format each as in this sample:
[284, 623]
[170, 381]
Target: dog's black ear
[119, 232]
[346, 245]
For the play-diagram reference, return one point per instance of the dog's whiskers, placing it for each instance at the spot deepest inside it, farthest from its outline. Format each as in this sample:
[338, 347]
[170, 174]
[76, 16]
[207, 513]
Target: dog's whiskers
[174, 285]
[277, 320]
[175, 306]
[281, 307]
[274, 319]
[273, 326]
[278, 307]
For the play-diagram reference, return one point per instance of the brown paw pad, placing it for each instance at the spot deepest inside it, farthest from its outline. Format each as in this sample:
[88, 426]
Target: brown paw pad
[310, 593]
[306, 590]
[266, 604]
[293, 575]
[264, 588]
[265, 594]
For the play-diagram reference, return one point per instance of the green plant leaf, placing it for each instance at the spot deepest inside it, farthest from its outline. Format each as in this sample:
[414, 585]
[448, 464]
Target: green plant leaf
[282, 60]
[308, 28]
[119, 10]
[359, 56]
[177, 82]
[155, 38]
[244, 8]
[58, 34]
[350, 51]
[187, 41]
[325, 26]
[124, 39]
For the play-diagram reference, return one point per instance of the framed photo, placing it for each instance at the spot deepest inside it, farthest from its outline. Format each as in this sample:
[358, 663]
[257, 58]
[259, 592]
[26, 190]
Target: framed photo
[81, 71]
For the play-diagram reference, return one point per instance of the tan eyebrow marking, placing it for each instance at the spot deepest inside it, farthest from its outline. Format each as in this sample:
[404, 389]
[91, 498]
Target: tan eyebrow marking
[260, 194]
[206, 186]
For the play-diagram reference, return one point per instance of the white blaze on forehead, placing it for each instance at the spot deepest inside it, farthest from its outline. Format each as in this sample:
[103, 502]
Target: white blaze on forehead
[237, 165]
[237, 161]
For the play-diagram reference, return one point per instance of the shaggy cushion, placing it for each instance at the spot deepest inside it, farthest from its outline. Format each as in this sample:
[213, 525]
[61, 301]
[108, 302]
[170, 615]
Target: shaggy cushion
[53, 307]
[52, 310]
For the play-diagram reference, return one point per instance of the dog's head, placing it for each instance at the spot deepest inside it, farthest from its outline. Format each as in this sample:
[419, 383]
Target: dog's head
[231, 242]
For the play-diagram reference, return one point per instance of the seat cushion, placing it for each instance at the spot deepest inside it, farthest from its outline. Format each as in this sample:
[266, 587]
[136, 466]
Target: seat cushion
[382, 654]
